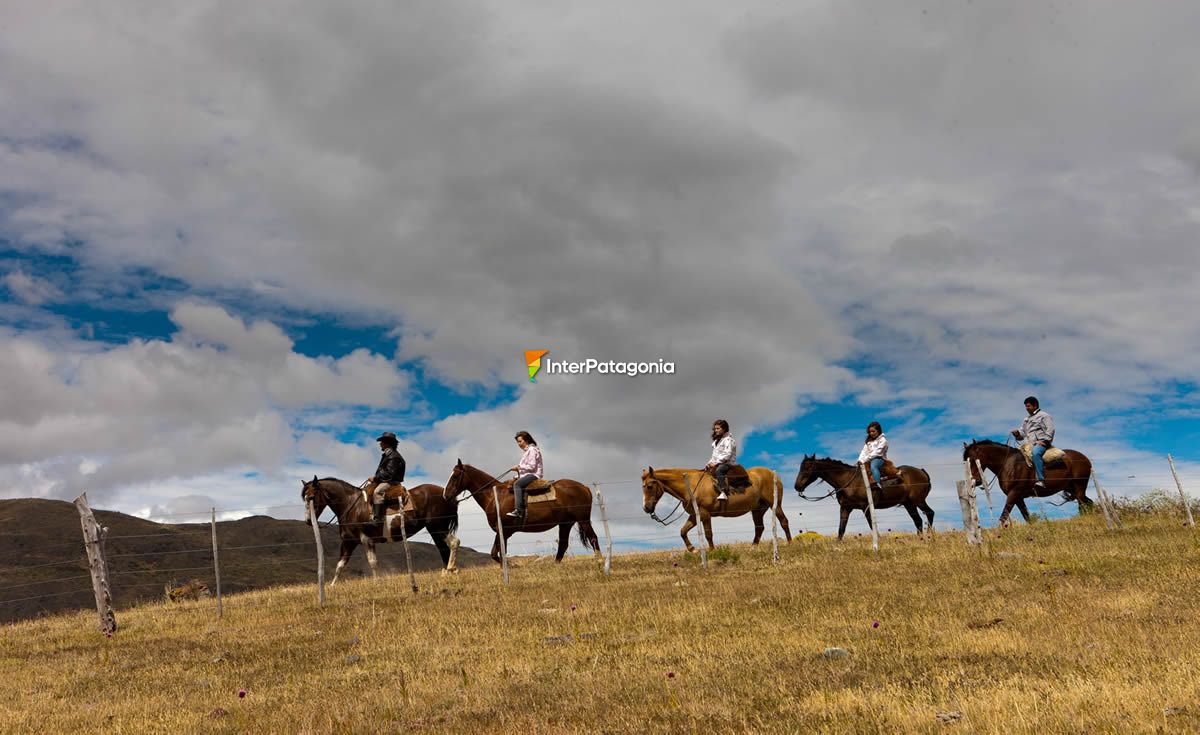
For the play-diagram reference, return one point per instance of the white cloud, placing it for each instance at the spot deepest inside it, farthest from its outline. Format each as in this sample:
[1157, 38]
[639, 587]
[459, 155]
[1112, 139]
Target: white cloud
[970, 199]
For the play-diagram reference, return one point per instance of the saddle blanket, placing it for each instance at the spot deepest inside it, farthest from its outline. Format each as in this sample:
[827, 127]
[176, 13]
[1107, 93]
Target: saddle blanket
[544, 494]
[1053, 455]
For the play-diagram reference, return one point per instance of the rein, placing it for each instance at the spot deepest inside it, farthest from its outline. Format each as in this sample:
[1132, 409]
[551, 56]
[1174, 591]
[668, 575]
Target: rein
[477, 490]
[671, 517]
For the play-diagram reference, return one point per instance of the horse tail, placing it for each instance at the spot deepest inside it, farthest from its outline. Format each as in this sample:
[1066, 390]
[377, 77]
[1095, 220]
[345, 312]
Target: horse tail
[778, 496]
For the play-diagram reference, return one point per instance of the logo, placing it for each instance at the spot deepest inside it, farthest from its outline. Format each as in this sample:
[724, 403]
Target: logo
[533, 358]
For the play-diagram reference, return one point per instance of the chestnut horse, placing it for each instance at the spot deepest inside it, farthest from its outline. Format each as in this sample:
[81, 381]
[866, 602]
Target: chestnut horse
[572, 505]
[847, 483]
[757, 499]
[431, 511]
[1015, 478]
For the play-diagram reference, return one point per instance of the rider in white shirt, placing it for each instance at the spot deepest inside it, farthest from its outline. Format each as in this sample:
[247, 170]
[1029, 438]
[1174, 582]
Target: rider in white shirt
[724, 455]
[874, 451]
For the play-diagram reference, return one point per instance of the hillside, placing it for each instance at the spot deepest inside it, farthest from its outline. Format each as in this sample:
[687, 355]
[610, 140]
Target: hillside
[43, 568]
[1055, 627]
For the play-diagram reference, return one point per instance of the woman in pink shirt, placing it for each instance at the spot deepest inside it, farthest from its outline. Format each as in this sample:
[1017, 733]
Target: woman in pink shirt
[528, 470]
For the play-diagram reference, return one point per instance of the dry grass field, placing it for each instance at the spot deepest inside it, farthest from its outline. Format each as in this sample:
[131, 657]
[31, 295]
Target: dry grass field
[1054, 627]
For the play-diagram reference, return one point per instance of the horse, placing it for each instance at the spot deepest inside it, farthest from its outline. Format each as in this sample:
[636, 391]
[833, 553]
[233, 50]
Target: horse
[431, 511]
[847, 483]
[760, 497]
[572, 505]
[1016, 479]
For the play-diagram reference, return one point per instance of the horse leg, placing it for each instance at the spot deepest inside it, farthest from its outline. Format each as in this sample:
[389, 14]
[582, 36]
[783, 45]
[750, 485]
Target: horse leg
[439, 540]
[758, 514]
[688, 525]
[1024, 510]
[452, 564]
[928, 514]
[783, 522]
[842, 523]
[1009, 501]
[374, 560]
[564, 537]
[870, 520]
[912, 511]
[496, 549]
[348, 547]
[707, 521]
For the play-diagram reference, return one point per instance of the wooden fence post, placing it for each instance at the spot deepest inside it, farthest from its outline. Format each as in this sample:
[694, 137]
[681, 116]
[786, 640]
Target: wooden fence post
[97, 565]
[412, 579]
[696, 514]
[776, 492]
[500, 536]
[976, 532]
[607, 534]
[1108, 521]
[871, 504]
[966, 493]
[1106, 504]
[1187, 505]
[987, 491]
[312, 516]
[216, 563]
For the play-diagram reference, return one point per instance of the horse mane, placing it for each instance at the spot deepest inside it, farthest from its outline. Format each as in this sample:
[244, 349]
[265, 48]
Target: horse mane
[830, 460]
[982, 443]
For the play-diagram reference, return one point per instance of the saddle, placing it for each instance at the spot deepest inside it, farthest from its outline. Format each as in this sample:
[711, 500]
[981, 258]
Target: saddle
[737, 478]
[391, 499]
[539, 486]
[1053, 455]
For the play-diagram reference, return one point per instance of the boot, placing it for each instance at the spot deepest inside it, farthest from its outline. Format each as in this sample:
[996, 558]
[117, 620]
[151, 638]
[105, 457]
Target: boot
[516, 513]
[378, 510]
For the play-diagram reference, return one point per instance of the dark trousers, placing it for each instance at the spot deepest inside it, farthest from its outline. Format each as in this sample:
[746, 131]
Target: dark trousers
[719, 472]
[519, 490]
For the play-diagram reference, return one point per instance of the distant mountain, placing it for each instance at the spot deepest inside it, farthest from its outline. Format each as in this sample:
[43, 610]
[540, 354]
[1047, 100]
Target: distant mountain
[43, 565]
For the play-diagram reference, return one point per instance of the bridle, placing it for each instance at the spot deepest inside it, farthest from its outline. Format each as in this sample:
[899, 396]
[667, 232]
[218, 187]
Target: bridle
[829, 494]
[671, 517]
[455, 498]
[317, 489]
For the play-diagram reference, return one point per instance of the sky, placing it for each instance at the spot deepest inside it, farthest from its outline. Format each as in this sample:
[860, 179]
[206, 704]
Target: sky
[237, 242]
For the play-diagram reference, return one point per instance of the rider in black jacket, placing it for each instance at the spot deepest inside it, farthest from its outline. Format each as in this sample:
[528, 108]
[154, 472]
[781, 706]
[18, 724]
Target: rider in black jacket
[390, 472]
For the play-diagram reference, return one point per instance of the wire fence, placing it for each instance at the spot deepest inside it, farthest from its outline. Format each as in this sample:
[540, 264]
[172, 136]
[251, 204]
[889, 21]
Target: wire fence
[631, 531]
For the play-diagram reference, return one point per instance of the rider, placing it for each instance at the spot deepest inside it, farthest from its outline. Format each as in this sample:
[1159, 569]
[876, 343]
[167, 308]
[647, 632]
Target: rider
[390, 472]
[724, 455]
[874, 451]
[1038, 429]
[528, 470]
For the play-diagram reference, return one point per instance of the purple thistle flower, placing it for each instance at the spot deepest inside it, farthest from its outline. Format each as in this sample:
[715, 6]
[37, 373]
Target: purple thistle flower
[875, 624]
[572, 608]
[670, 674]
[241, 694]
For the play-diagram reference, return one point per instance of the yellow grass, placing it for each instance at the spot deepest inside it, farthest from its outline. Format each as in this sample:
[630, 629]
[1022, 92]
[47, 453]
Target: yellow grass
[1099, 633]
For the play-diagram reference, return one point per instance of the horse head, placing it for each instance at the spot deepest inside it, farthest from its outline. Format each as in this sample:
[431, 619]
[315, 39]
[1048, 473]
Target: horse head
[652, 490]
[311, 491]
[454, 486]
[981, 452]
[808, 473]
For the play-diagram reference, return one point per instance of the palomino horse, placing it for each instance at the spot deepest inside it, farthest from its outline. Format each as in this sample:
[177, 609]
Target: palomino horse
[572, 504]
[757, 499]
[1016, 478]
[851, 493]
[431, 511]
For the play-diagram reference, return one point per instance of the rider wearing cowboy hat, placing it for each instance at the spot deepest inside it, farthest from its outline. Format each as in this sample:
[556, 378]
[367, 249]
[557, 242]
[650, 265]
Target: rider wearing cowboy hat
[390, 472]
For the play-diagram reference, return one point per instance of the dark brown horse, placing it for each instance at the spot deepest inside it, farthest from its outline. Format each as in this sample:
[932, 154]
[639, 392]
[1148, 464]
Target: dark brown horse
[847, 483]
[572, 505]
[431, 511]
[1016, 478]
